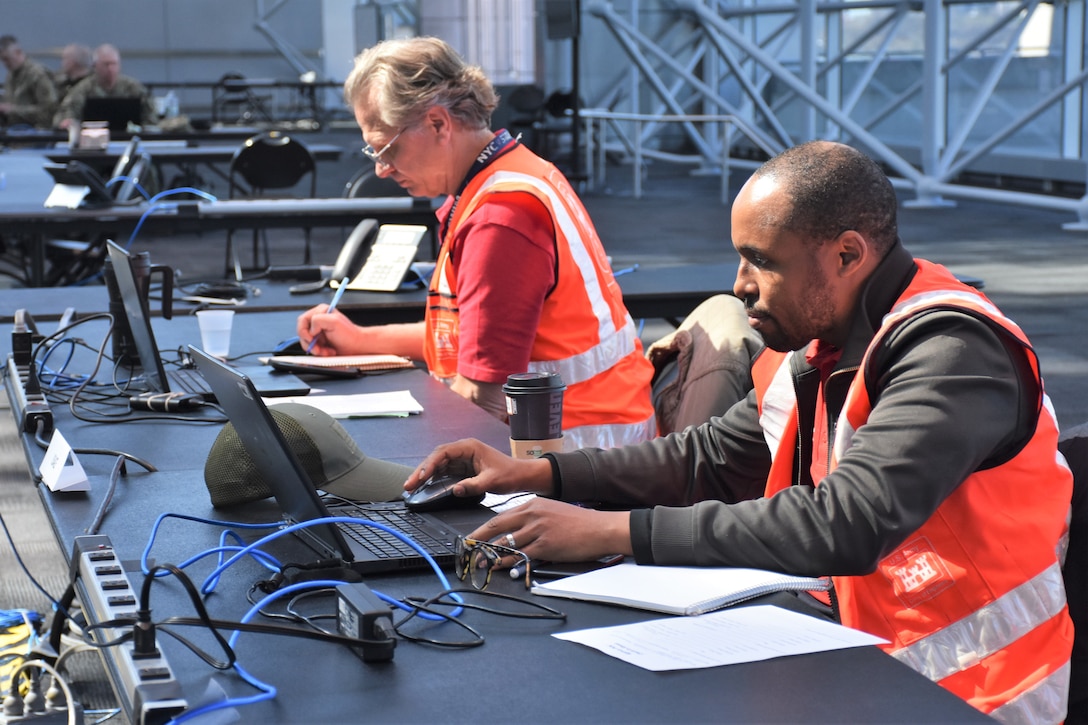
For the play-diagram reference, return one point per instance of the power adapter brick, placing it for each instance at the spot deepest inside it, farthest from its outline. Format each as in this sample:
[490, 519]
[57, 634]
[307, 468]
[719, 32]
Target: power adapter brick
[362, 615]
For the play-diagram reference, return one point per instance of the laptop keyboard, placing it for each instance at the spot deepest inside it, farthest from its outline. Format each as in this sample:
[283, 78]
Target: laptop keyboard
[387, 546]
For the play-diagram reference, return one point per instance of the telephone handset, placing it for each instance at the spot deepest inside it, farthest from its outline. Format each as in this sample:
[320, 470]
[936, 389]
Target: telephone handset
[349, 261]
[374, 258]
[388, 258]
[131, 164]
[137, 172]
[126, 159]
[355, 250]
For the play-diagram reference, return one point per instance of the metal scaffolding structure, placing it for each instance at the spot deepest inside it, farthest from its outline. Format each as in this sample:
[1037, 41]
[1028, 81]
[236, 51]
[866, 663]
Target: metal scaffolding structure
[942, 92]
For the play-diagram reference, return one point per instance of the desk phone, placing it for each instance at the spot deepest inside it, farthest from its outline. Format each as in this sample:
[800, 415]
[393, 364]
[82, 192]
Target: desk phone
[392, 253]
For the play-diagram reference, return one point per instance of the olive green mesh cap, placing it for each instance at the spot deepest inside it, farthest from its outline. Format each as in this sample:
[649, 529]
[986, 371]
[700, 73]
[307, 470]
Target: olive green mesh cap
[327, 453]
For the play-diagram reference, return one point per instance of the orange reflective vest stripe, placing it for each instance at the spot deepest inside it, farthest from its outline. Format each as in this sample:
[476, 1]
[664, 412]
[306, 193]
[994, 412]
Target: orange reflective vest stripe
[585, 333]
[974, 599]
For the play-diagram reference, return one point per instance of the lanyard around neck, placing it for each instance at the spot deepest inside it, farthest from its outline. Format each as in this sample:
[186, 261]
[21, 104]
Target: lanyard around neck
[500, 144]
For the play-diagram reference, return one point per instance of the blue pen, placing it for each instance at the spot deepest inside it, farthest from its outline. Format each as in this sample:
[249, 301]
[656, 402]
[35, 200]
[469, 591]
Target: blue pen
[332, 308]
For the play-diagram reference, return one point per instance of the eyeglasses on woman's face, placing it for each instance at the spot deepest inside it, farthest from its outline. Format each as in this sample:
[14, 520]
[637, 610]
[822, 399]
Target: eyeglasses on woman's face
[376, 156]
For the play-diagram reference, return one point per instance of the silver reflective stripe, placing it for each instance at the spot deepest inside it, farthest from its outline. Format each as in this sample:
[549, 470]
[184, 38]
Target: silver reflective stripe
[844, 431]
[1062, 548]
[1046, 702]
[952, 296]
[777, 405]
[606, 435]
[844, 435]
[601, 357]
[613, 345]
[443, 286]
[612, 435]
[578, 250]
[990, 629]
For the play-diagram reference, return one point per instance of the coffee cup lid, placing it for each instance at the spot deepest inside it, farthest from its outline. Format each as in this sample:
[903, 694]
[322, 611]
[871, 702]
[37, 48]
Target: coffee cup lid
[523, 381]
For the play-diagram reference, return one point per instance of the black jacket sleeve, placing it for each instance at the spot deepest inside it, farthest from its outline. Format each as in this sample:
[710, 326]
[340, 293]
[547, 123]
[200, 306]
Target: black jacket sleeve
[953, 395]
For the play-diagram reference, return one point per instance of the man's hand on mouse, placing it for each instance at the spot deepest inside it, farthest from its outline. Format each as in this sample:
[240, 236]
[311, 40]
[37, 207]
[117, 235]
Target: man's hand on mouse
[541, 528]
[495, 472]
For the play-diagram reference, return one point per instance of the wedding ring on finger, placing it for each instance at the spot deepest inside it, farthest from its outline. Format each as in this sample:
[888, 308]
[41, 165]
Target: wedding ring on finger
[509, 541]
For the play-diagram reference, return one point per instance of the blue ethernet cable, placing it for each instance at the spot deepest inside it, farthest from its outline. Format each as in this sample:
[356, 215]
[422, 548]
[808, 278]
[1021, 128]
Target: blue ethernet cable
[267, 691]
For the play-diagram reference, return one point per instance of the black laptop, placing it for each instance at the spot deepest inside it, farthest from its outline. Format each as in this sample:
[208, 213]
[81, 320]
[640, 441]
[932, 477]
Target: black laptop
[188, 380]
[365, 548]
[88, 188]
[117, 112]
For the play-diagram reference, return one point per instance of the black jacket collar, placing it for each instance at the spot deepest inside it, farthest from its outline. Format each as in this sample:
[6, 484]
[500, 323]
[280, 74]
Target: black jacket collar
[882, 289]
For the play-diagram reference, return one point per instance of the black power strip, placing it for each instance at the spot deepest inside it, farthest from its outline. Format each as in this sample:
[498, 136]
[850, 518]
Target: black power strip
[30, 406]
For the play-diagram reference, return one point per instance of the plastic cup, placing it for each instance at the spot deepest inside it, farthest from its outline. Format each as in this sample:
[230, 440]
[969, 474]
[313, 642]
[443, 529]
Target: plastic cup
[215, 331]
[534, 402]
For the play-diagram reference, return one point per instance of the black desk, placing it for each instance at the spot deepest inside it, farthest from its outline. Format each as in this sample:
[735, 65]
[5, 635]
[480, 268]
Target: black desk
[663, 291]
[406, 440]
[304, 91]
[46, 137]
[653, 292]
[182, 155]
[521, 673]
[39, 223]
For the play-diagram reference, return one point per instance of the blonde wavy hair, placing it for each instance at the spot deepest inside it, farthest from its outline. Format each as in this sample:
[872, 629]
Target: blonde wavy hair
[409, 76]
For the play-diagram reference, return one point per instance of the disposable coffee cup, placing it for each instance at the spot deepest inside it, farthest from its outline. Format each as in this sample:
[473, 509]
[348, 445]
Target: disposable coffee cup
[534, 403]
[215, 331]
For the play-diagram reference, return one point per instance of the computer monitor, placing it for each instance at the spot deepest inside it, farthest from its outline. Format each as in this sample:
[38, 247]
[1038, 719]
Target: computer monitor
[117, 112]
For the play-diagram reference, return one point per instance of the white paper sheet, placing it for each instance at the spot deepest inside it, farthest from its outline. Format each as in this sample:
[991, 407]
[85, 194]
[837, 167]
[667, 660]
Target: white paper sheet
[361, 405]
[726, 637]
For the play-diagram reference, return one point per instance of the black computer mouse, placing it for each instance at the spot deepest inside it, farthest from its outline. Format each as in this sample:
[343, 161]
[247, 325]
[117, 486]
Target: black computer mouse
[290, 346]
[436, 493]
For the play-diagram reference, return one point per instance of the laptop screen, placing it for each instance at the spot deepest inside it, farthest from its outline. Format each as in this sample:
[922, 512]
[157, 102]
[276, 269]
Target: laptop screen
[117, 112]
[143, 338]
[156, 378]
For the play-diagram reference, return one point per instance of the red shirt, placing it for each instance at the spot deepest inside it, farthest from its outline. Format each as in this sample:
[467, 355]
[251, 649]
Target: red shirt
[823, 357]
[505, 259]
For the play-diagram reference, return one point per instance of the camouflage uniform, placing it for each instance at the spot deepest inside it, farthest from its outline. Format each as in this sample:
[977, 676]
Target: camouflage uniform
[126, 87]
[29, 88]
[64, 84]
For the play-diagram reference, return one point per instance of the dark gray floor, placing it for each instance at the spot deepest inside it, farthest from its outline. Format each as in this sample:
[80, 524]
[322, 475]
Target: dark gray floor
[1036, 272]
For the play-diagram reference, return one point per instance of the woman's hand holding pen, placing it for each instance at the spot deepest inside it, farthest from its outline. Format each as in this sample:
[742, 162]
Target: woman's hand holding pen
[327, 333]
[311, 332]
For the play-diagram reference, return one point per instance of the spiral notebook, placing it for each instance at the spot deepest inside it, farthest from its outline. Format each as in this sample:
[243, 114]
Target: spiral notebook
[366, 363]
[683, 590]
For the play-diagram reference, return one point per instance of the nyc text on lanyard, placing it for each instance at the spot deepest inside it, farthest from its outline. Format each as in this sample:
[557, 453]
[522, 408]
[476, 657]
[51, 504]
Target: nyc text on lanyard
[500, 144]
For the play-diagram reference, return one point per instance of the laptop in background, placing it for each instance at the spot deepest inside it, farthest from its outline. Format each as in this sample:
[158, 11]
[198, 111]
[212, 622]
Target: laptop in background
[77, 185]
[364, 548]
[116, 112]
[156, 377]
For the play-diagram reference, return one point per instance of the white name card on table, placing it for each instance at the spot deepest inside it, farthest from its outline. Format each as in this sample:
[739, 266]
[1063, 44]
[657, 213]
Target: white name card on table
[57, 473]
